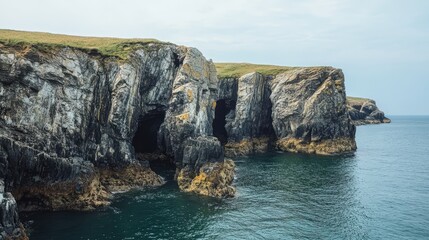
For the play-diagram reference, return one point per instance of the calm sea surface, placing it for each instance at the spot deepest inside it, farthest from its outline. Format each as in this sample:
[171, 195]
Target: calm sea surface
[380, 192]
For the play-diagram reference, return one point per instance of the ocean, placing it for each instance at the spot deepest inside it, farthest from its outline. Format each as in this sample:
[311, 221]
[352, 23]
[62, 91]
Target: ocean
[379, 192]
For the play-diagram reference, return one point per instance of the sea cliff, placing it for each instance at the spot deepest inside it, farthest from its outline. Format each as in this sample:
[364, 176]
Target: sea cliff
[300, 109]
[78, 123]
[82, 118]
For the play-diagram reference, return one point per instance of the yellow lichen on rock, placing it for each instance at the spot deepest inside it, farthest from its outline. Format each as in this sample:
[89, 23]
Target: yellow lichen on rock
[247, 146]
[190, 95]
[183, 117]
[323, 147]
[86, 194]
[213, 179]
[214, 104]
[131, 176]
[89, 192]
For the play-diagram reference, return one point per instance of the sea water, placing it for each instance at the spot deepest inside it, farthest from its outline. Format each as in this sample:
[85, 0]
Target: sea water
[380, 192]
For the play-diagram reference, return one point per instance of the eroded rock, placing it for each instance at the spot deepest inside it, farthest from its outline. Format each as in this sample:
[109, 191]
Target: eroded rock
[213, 179]
[365, 111]
[298, 110]
[72, 123]
[10, 227]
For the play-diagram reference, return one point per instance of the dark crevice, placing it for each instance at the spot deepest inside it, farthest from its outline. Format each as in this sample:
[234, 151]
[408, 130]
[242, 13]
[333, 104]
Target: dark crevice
[223, 107]
[146, 136]
[146, 147]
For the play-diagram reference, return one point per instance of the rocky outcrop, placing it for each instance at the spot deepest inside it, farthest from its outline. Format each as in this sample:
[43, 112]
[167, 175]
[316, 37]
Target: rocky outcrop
[299, 110]
[72, 122]
[247, 114]
[10, 227]
[365, 111]
[213, 179]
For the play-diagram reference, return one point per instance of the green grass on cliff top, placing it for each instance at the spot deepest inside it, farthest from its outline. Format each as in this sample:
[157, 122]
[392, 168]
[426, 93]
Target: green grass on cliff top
[108, 46]
[357, 99]
[239, 69]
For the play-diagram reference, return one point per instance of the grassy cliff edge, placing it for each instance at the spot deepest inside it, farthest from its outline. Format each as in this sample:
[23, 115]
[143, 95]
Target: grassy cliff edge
[107, 46]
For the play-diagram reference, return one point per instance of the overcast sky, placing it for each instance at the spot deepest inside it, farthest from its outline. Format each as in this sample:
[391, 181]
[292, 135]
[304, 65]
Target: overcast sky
[381, 45]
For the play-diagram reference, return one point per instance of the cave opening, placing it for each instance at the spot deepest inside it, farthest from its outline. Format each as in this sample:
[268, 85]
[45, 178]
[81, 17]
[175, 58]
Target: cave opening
[219, 122]
[145, 143]
[146, 137]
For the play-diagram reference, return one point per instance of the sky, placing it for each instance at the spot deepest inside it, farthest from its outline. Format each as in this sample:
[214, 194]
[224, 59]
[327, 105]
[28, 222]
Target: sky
[382, 46]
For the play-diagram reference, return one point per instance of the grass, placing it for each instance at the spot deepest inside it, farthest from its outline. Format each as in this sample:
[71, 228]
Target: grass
[239, 69]
[107, 46]
[357, 99]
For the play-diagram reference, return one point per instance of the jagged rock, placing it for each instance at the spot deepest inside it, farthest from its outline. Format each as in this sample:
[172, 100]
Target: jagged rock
[10, 227]
[365, 111]
[247, 114]
[301, 109]
[70, 119]
[213, 179]
[252, 115]
[309, 105]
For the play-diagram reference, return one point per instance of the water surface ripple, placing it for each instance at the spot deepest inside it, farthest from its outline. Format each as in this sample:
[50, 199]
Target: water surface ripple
[380, 192]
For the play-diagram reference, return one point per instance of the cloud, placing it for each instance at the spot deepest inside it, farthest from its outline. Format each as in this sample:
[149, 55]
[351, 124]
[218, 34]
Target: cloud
[371, 40]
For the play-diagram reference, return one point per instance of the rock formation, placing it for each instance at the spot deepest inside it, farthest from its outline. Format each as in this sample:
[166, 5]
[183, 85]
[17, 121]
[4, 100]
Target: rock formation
[10, 227]
[72, 121]
[77, 124]
[296, 110]
[365, 111]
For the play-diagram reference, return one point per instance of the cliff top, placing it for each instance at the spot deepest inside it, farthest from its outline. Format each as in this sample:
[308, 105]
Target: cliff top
[358, 99]
[108, 46]
[225, 70]
[239, 69]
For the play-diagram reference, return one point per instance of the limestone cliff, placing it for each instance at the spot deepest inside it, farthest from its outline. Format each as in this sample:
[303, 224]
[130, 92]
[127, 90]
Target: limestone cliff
[295, 110]
[365, 111]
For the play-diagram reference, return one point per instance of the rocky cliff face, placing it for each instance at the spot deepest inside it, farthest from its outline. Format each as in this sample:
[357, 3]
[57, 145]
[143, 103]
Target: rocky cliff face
[10, 227]
[73, 122]
[365, 111]
[299, 110]
[76, 125]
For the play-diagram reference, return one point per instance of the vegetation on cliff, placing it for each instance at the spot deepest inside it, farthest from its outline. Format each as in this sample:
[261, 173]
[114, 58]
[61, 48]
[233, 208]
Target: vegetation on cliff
[236, 70]
[107, 46]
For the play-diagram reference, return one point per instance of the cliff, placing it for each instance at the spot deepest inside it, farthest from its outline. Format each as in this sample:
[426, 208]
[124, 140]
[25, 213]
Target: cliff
[82, 118]
[77, 124]
[291, 109]
[365, 111]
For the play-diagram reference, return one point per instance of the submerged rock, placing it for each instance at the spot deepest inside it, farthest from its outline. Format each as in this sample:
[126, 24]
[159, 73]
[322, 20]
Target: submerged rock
[365, 111]
[296, 110]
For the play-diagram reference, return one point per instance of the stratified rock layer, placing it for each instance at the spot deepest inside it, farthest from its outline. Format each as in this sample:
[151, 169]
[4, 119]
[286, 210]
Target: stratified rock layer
[365, 111]
[71, 122]
[299, 110]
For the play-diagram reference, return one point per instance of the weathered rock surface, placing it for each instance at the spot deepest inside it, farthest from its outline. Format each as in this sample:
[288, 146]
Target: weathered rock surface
[365, 111]
[71, 122]
[299, 110]
[10, 227]
[213, 179]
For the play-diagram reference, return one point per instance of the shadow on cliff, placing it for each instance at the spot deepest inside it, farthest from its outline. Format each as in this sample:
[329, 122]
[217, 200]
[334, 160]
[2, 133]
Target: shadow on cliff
[145, 143]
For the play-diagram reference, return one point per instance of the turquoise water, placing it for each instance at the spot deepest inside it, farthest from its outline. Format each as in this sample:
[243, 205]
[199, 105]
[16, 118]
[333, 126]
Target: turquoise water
[380, 192]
